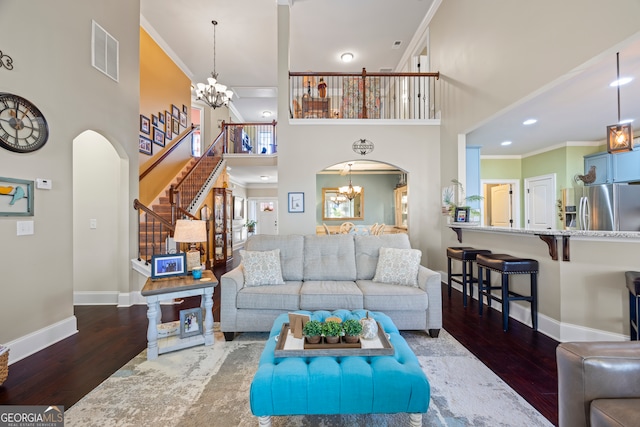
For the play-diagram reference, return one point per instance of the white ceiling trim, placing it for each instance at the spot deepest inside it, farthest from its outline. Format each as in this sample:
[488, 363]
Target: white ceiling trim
[165, 47]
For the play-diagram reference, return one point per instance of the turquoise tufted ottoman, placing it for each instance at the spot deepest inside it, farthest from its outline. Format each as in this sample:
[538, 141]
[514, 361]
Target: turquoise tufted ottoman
[339, 385]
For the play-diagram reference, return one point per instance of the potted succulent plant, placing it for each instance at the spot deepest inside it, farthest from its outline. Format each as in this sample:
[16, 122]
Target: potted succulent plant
[331, 332]
[312, 330]
[352, 330]
[251, 225]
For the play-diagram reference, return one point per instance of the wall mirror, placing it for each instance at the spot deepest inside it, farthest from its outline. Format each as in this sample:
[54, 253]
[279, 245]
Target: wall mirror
[337, 206]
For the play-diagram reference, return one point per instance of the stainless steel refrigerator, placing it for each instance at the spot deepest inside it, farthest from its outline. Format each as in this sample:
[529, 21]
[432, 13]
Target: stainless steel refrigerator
[614, 207]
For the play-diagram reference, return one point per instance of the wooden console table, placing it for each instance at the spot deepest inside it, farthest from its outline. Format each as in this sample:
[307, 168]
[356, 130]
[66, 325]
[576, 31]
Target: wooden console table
[170, 288]
[316, 108]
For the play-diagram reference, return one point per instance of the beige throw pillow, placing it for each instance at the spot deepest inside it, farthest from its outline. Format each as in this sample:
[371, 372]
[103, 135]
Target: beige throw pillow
[261, 267]
[398, 266]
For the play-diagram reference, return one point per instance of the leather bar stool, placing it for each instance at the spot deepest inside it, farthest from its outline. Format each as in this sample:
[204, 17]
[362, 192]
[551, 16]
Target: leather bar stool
[467, 256]
[633, 284]
[507, 265]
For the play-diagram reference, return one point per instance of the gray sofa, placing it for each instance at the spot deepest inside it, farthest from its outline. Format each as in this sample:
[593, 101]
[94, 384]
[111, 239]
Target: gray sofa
[333, 272]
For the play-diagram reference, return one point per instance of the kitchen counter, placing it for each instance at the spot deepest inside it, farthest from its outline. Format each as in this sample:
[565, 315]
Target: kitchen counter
[548, 236]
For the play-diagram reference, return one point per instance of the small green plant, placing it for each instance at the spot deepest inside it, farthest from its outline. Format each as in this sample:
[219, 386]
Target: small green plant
[312, 328]
[352, 327]
[251, 223]
[331, 329]
[448, 199]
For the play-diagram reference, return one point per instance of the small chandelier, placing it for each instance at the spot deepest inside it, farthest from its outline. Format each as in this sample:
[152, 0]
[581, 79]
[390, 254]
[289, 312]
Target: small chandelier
[213, 94]
[619, 136]
[350, 191]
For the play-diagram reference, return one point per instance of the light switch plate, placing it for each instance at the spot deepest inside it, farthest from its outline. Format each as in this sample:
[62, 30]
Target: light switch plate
[24, 228]
[43, 184]
[93, 224]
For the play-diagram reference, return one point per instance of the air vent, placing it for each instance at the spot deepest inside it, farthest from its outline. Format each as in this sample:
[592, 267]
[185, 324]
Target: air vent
[104, 52]
[396, 44]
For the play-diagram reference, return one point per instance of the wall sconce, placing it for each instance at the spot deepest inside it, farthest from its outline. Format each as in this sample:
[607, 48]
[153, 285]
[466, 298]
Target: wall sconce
[188, 231]
[619, 136]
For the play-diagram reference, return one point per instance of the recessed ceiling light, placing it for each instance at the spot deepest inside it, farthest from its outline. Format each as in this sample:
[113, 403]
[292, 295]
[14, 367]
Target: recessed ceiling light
[505, 143]
[529, 121]
[620, 82]
[266, 114]
[347, 57]
[264, 177]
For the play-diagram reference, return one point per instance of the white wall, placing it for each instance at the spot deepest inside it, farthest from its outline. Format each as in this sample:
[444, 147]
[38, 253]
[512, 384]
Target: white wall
[52, 68]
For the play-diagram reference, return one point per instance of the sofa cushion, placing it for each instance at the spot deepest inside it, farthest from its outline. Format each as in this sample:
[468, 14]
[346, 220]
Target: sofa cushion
[276, 297]
[398, 266]
[385, 297]
[614, 412]
[367, 249]
[261, 267]
[329, 257]
[291, 252]
[330, 295]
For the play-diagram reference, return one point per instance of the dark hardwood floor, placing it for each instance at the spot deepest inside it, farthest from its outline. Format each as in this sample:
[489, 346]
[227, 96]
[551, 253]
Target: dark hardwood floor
[109, 337]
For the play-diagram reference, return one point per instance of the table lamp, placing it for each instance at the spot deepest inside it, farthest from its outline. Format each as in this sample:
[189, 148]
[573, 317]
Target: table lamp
[191, 231]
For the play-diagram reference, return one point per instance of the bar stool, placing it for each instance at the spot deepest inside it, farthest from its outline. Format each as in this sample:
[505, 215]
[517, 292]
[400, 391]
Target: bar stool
[507, 265]
[633, 284]
[467, 256]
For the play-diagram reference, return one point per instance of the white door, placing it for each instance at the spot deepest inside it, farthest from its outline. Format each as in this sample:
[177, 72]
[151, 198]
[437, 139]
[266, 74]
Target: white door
[267, 217]
[540, 202]
[501, 206]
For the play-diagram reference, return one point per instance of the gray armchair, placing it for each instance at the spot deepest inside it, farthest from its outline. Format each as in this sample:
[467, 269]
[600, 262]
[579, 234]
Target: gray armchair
[598, 384]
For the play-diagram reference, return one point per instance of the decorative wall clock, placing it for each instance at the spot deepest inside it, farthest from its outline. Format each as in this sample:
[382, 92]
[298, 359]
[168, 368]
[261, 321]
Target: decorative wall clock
[23, 128]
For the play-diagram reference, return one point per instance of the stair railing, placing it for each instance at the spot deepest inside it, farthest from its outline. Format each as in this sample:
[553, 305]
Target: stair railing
[155, 229]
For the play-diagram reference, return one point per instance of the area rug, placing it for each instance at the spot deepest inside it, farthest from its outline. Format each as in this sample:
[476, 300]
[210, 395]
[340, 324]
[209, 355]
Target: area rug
[209, 386]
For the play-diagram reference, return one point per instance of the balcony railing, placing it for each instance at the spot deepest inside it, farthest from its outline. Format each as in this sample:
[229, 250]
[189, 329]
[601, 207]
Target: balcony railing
[387, 96]
[250, 138]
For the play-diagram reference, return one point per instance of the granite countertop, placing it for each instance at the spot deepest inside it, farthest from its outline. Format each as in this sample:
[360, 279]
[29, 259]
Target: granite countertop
[540, 232]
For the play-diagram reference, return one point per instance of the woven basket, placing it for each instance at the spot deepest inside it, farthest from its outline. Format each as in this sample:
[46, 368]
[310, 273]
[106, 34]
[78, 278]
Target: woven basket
[4, 366]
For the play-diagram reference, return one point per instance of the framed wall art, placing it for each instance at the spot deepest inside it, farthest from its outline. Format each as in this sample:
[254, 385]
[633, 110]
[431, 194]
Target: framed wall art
[158, 136]
[154, 120]
[144, 145]
[161, 117]
[168, 265]
[145, 124]
[184, 108]
[183, 120]
[175, 126]
[175, 111]
[16, 197]
[296, 202]
[190, 322]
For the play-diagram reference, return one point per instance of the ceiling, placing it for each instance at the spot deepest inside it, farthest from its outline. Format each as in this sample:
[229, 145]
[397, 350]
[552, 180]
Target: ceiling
[576, 107]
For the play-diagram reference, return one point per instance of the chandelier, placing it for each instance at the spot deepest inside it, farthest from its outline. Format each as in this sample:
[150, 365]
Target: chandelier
[350, 191]
[619, 136]
[213, 93]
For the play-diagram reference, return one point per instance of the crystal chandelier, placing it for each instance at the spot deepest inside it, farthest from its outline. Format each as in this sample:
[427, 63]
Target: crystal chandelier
[213, 94]
[350, 191]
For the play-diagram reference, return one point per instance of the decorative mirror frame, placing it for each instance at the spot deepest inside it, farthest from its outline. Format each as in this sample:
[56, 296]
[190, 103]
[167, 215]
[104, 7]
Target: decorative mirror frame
[328, 192]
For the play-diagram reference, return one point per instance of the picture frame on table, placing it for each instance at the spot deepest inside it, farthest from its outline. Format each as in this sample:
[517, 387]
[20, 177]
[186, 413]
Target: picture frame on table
[145, 124]
[190, 322]
[18, 197]
[144, 145]
[183, 120]
[168, 265]
[296, 202]
[175, 126]
[462, 215]
[175, 111]
[158, 137]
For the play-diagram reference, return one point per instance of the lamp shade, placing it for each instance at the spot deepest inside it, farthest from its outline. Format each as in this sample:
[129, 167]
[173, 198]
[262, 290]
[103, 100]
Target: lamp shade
[190, 231]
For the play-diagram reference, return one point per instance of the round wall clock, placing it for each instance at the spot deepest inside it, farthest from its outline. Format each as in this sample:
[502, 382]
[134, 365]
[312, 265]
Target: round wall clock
[23, 128]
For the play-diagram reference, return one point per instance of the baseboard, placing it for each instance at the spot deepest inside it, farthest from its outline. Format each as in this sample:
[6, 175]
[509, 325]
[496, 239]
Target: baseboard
[131, 298]
[95, 297]
[32, 343]
[561, 332]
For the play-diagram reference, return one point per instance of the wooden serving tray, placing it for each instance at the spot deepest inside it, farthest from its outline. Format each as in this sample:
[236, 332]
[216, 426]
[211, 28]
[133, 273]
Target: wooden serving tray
[288, 346]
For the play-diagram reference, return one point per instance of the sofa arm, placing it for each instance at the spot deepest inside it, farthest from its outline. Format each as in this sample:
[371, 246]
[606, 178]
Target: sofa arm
[430, 282]
[230, 284]
[594, 370]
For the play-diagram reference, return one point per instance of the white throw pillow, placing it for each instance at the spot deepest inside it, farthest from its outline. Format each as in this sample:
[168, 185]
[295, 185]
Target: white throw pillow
[398, 266]
[262, 267]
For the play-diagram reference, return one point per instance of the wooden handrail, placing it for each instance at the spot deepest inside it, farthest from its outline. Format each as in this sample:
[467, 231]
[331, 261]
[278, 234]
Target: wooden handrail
[167, 152]
[139, 206]
[367, 74]
[200, 159]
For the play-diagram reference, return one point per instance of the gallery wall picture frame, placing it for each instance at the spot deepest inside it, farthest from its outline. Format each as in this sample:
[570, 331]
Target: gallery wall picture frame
[184, 109]
[296, 202]
[190, 322]
[144, 145]
[145, 124]
[16, 197]
[183, 120]
[167, 117]
[154, 120]
[175, 126]
[462, 215]
[168, 265]
[238, 207]
[158, 137]
[175, 111]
